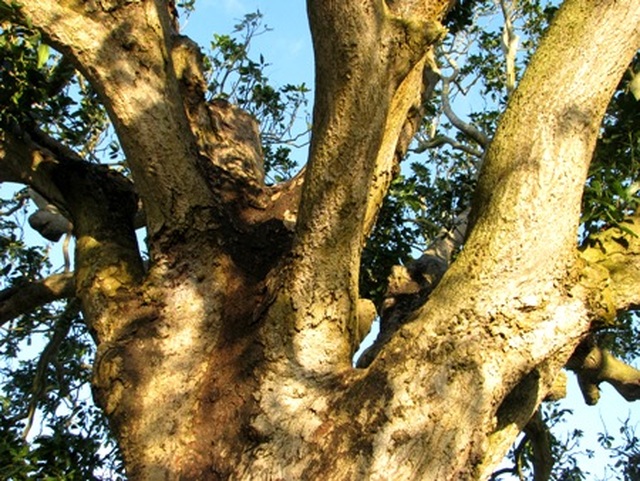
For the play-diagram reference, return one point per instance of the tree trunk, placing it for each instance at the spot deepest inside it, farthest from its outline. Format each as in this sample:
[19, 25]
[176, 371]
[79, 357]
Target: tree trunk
[230, 357]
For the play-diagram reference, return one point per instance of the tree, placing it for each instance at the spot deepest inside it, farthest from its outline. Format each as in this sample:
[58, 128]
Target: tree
[229, 354]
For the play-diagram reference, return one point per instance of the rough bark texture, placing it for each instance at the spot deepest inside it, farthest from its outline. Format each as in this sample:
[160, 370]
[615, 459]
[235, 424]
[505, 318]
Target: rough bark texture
[230, 357]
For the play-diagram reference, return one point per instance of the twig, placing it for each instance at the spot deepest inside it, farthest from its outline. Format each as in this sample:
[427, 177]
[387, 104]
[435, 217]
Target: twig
[60, 331]
[470, 130]
[442, 140]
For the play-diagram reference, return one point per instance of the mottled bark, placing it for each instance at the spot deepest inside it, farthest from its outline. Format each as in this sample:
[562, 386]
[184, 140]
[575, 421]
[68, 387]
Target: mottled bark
[613, 255]
[230, 356]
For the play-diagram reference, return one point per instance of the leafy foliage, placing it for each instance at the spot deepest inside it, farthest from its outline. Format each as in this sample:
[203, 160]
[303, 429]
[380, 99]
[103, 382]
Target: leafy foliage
[23, 90]
[39, 90]
[20, 262]
[521, 457]
[624, 451]
[611, 192]
[45, 376]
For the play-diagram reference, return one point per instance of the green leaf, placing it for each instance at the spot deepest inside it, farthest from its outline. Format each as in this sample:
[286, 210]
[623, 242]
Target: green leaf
[43, 54]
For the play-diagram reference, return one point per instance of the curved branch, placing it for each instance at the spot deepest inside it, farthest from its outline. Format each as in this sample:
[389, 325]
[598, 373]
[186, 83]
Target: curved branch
[99, 202]
[593, 365]
[18, 300]
[23, 161]
[444, 140]
[409, 103]
[466, 128]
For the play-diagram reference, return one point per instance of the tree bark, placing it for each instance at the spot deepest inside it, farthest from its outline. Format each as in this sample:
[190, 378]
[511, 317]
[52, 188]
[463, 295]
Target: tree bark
[15, 301]
[230, 357]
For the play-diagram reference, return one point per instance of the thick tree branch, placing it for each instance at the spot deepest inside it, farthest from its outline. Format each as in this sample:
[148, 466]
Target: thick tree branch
[100, 203]
[369, 66]
[536, 168]
[227, 137]
[409, 102]
[24, 162]
[108, 265]
[23, 299]
[512, 285]
[124, 50]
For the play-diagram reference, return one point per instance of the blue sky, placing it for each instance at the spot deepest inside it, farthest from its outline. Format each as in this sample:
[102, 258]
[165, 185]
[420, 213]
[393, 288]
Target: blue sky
[287, 48]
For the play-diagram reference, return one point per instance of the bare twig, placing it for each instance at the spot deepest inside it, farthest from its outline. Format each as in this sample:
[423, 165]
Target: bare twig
[60, 331]
[442, 140]
[20, 198]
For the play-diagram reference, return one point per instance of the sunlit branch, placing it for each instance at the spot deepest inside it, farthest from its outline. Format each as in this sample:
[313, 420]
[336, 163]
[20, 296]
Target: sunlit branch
[441, 140]
[509, 45]
[615, 253]
[594, 365]
[470, 130]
